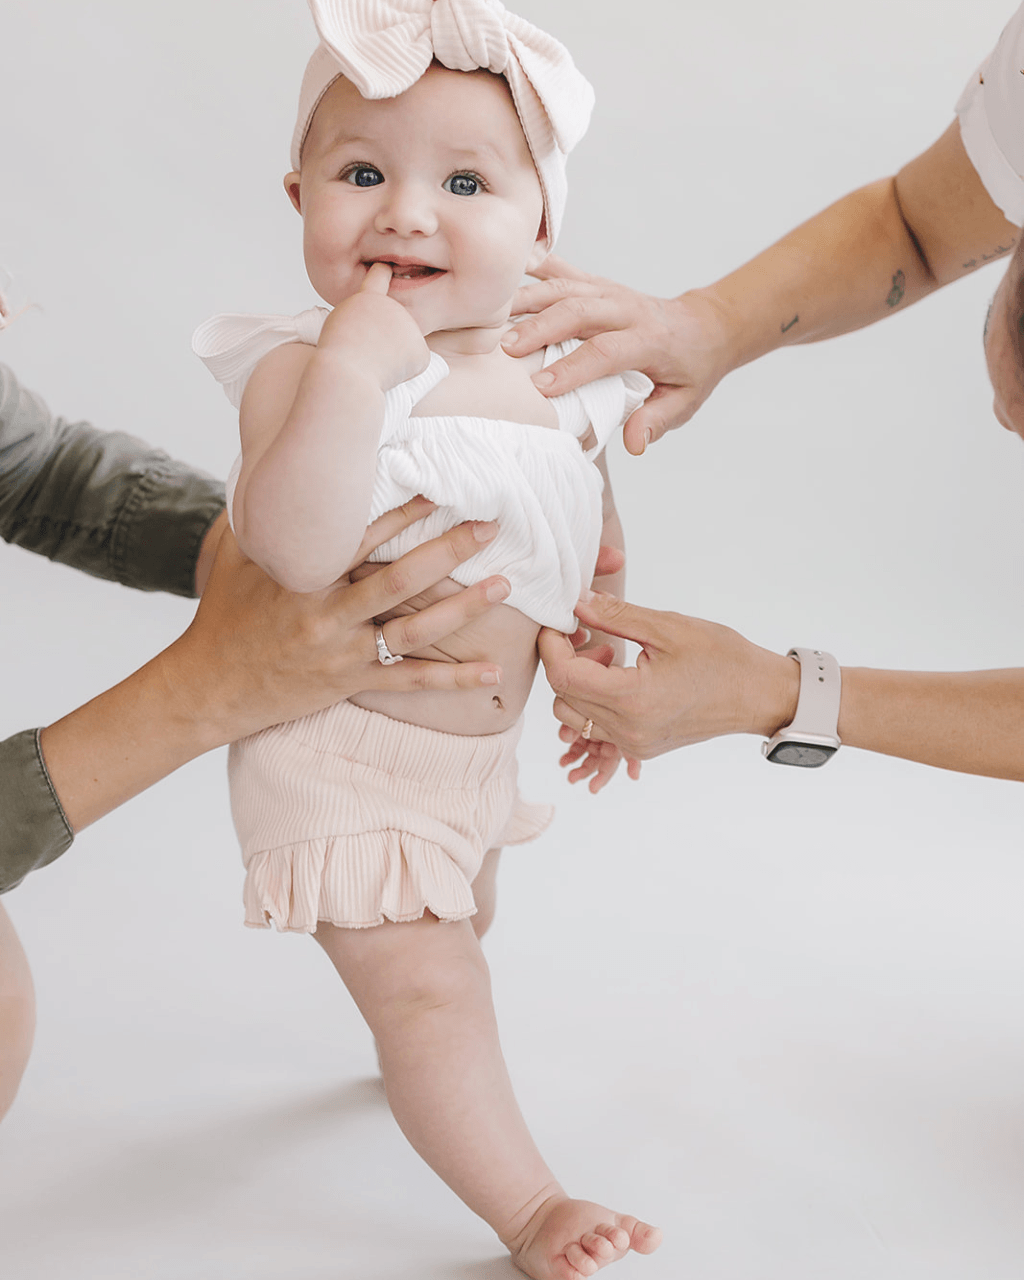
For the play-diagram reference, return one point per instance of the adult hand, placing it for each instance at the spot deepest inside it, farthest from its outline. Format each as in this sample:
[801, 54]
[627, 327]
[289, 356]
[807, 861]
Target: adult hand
[256, 654]
[693, 680]
[680, 343]
[277, 655]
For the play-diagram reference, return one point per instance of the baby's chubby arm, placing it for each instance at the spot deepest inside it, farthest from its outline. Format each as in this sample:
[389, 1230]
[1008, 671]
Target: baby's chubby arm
[310, 425]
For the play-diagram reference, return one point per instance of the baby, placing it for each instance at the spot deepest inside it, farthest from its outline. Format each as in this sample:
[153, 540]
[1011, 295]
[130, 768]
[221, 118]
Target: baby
[428, 167]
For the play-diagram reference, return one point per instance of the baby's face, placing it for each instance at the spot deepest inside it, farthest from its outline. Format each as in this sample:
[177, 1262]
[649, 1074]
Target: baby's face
[438, 182]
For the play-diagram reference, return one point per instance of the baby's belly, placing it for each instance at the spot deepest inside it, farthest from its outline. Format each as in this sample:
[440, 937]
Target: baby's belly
[504, 636]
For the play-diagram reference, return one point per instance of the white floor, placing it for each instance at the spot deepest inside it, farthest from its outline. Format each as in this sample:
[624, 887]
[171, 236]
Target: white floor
[778, 1014]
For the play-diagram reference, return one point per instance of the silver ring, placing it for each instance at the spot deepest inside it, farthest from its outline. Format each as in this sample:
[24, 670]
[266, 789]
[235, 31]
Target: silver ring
[384, 655]
[587, 730]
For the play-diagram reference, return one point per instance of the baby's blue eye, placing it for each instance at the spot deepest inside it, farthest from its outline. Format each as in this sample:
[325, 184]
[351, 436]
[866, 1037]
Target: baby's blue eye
[364, 175]
[462, 184]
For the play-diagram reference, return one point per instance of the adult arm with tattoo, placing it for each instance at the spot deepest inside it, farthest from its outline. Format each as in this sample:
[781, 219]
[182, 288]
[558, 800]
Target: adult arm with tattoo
[875, 251]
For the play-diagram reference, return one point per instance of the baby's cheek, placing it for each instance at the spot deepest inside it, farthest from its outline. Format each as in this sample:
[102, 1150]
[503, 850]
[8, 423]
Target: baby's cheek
[498, 277]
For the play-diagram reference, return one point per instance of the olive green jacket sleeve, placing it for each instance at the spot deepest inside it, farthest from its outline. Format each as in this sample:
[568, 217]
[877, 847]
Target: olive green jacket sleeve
[33, 829]
[112, 506]
[103, 502]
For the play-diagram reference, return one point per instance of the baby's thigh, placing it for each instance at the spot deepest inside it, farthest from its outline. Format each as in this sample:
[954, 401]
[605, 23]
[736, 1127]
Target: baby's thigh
[394, 968]
[485, 889]
[17, 1012]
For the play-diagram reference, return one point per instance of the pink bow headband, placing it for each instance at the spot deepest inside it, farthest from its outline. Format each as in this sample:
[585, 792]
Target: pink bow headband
[385, 46]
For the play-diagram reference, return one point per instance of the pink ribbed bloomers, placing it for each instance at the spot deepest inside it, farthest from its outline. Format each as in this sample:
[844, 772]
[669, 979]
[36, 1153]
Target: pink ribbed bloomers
[352, 817]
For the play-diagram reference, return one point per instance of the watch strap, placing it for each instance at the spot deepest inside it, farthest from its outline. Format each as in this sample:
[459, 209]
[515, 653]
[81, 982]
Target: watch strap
[817, 709]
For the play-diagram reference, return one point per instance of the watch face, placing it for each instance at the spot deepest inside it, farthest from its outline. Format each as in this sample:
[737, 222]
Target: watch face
[804, 754]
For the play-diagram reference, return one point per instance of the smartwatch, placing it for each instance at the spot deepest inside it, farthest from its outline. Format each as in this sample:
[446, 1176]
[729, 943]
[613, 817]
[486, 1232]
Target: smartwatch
[812, 739]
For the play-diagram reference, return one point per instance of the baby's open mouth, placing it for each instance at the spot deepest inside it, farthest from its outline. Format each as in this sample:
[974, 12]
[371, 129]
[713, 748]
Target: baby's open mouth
[408, 270]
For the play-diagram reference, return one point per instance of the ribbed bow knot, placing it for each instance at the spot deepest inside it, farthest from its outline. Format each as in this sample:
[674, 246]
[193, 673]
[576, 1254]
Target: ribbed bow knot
[467, 34]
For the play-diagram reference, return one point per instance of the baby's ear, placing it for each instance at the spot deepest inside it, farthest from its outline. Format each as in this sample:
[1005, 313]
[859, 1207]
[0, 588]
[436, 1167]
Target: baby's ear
[540, 248]
[291, 185]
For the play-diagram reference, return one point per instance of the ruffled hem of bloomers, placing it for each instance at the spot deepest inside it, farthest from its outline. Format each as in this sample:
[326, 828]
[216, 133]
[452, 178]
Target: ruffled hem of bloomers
[526, 822]
[358, 881]
[354, 881]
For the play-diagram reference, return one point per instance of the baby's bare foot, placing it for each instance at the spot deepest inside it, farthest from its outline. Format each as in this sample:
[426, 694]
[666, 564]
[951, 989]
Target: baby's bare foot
[572, 1239]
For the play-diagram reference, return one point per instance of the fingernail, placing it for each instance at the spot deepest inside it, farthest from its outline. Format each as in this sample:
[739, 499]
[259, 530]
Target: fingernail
[647, 438]
[484, 530]
[543, 379]
[490, 677]
[510, 339]
[497, 591]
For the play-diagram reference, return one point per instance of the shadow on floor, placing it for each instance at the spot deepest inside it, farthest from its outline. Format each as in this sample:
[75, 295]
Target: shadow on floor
[165, 1175]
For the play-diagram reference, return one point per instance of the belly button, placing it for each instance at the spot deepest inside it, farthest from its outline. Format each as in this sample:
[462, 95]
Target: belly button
[498, 703]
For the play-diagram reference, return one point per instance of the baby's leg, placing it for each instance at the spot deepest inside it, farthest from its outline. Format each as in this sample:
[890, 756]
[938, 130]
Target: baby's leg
[485, 888]
[17, 1012]
[424, 989]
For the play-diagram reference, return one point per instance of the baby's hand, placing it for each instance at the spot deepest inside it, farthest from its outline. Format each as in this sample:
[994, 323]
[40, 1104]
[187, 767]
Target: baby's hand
[377, 333]
[600, 759]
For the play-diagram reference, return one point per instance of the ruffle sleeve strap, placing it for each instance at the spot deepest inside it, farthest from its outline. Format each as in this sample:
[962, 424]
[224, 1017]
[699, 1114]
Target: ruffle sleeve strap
[603, 404]
[232, 345]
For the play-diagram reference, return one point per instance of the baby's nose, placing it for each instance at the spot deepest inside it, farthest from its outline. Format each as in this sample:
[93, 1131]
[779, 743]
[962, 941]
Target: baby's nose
[406, 210]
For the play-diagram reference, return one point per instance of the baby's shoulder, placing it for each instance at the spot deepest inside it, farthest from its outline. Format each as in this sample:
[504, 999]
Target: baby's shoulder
[275, 378]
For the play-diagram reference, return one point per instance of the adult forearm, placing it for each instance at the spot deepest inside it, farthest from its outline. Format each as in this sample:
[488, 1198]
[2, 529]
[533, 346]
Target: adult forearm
[126, 739]
[850, 265]
[971, 722]
[877, 249]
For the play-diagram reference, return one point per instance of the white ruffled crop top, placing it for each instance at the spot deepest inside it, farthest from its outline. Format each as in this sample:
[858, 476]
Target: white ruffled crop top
[536, 482]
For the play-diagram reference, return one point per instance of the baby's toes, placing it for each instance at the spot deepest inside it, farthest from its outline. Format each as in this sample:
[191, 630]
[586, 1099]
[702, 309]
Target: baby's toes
[605, 1243]
[644, 1238]
[580, 1261]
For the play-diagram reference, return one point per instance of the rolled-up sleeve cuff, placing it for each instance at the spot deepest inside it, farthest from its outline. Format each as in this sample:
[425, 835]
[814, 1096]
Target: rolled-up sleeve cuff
[33, 828]
[160, 530]
[1002, 182]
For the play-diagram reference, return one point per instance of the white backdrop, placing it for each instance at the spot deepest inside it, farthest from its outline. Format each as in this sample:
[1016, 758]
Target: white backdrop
[777, 1014]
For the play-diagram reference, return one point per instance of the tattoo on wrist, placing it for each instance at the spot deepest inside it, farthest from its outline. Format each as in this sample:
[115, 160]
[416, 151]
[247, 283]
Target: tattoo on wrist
[786, 327]
[899, 288]
[998, 252]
